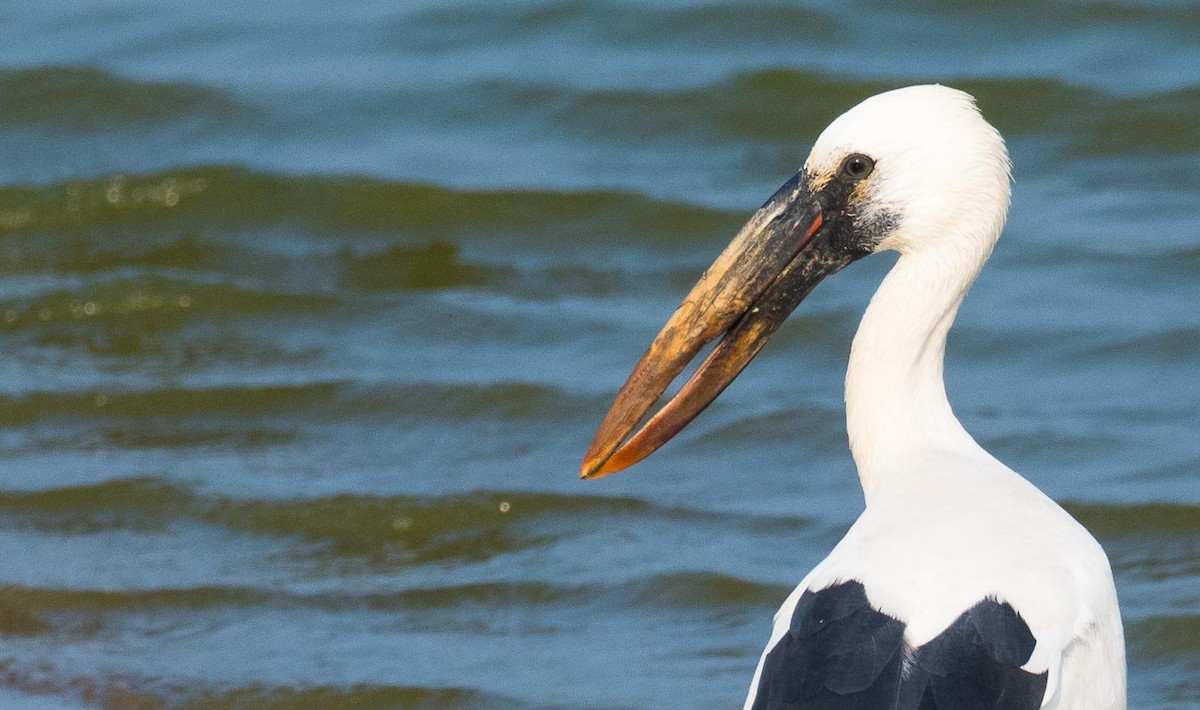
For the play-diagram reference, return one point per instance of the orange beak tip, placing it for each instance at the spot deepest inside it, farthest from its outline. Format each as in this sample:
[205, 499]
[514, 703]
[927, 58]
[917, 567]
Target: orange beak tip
[591, 470]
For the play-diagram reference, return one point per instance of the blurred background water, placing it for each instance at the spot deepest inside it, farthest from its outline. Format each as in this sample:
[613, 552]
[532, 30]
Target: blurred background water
[309, 310]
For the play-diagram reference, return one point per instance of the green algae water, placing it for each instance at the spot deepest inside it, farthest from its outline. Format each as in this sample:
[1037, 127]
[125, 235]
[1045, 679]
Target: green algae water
[308, 313]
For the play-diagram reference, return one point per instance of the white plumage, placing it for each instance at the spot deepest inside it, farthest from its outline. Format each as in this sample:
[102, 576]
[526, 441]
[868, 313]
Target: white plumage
[946, 524]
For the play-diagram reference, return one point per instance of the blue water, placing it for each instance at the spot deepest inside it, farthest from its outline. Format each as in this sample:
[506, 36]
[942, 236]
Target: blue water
[309, 311]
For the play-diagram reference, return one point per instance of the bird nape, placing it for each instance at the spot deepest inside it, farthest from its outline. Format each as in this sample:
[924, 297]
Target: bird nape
[961, 585]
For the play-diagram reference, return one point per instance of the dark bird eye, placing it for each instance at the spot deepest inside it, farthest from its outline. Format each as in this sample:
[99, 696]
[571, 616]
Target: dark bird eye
[857, 166]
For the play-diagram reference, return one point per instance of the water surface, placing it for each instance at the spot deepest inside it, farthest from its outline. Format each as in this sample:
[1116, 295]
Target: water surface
[308, 314]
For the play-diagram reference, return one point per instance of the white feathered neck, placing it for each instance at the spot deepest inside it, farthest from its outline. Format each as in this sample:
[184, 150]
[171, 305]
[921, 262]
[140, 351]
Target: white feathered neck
[896, 404]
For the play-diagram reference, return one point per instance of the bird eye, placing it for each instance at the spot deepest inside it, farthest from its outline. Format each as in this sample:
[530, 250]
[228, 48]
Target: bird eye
[857, 166]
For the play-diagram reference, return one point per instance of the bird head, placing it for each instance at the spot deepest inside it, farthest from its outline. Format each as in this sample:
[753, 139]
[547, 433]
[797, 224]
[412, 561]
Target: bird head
[906, 170]
[935, 166]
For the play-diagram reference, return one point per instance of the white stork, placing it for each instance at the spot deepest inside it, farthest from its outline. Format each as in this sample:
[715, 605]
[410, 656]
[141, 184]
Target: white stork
[961, 586]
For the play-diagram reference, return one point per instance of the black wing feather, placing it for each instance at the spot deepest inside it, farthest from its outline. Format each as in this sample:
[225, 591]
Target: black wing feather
[842, 654]
[839, 654]
[976, 663]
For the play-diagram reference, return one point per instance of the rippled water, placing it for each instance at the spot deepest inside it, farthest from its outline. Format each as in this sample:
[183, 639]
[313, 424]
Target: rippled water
[307, 315]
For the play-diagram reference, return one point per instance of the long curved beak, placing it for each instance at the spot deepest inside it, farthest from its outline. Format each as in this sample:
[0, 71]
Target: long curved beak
[752, 287]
